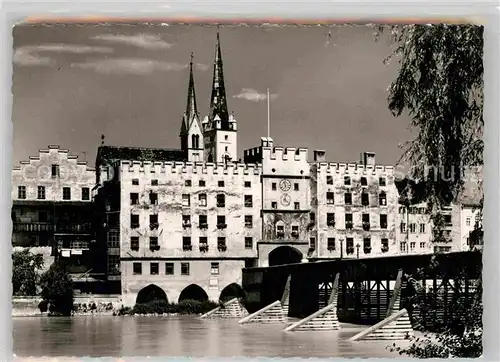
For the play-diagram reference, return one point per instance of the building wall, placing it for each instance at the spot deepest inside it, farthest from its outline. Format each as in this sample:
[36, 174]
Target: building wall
[414, 230]
[468, 217]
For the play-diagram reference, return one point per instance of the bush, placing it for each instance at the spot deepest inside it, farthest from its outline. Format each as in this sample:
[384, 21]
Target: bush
[57, 289]
[24, 272]
[163, 307]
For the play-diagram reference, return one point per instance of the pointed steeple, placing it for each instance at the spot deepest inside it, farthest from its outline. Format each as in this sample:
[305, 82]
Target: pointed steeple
[191, 107]
[218, 102]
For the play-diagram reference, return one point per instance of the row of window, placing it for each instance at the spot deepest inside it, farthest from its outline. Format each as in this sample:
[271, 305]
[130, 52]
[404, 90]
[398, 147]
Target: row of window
[186, 221]
[366, 247]
[169, 269]
[186, 199]
[188, 183]
[365, 198]
[186, 243]
[363, 181]
[349, 223]
[413, 228]
[41, 193]
[403, 245]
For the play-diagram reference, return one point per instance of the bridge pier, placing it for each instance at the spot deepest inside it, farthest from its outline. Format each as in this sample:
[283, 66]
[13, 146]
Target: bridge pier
[230, 309]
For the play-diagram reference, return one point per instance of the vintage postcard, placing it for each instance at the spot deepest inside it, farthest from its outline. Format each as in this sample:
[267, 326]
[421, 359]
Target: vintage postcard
[229, 190]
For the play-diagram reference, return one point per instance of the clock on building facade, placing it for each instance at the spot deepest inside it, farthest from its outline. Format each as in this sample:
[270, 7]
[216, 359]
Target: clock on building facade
[285, 185]
[285, 199]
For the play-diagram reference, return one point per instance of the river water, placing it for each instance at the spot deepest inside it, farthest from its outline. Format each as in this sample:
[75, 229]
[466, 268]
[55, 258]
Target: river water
[181, 336]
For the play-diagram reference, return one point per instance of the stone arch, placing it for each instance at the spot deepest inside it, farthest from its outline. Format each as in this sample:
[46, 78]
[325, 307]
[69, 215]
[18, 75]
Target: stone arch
[233, 290]
[151, 293]
[284, 255]
[193, 292]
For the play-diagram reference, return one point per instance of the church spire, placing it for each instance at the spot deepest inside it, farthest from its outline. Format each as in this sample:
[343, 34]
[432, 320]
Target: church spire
[218, 102]
[191, 108]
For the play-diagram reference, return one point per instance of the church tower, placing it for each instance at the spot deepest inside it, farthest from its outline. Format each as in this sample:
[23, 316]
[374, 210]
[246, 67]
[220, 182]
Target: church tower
[220, 136]
[191, 129]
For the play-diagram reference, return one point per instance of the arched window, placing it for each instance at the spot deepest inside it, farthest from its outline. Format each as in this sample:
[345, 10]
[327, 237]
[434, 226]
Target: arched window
[193, 141]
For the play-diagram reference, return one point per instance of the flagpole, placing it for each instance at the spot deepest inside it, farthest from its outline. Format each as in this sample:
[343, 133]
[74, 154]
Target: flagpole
[268, 115]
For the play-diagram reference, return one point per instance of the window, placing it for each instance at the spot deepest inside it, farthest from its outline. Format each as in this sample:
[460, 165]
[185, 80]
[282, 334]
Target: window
[202, 199]
[366, 222]
[55, 170]
[154, 268]
[113, 239]
[248, 221]
[348, 221]
[134, 221]
[365, 199]
[367, 245]
[413, 228]
[153, 242]
[364, 181]
[214, 268]
[137, 268]
[402, 227]
[135, 181]
[248, 184]
[153, 221]
[41, 193]
[383, 221]
[221, 221]
[201, 183]
[347, 180]
[186, 243]
[187, 183]
[221, 243]
[447, 220]
[312, 243]
[402, 246]
[330, 198]
[186, 221]
[85, 193]
[221, 183]
[385, 245]
[402, 210]
[134, 243]
[273, 186]
[221, 200]
[296, 205]
[295, 231]
[280, 231]
[312, 217]
[274, 205]
[169, 268]
[248, 242]
[154, 182]
[202, 221]
[330, 244]
[248, 201]
[349, 243]
[329, 180]
[186, 200]
[422, 228]
[381, 181]
[66, 193]
[467, 221]
[153, 198]
[412, 246]
[382, 199]
[226, 137]
[422, 245]
[134, 198]
[296, 186]
[21, 192]
[330, 219]
[348, 199]
[184, 268]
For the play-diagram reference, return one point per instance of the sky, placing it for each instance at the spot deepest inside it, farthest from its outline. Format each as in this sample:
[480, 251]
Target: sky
[328, 86]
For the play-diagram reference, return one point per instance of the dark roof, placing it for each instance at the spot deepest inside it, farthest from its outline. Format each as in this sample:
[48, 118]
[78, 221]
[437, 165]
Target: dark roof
[113, 153]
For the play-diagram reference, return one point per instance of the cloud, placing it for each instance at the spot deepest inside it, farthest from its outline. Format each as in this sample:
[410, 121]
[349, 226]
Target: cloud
[254, 96]
[138, 66]
[29, 55]
[146, 41]
[200, 66]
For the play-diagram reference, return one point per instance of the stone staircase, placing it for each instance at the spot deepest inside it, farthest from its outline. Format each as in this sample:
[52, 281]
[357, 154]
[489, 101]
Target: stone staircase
[395, 327]
[324, 319]
[273, 313]
[231, 309]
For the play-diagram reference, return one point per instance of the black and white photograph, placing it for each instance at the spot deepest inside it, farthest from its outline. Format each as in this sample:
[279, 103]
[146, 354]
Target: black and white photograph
[247, 189]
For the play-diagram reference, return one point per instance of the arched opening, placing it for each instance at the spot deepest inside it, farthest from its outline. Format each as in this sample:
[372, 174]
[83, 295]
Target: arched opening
[151, 293]
[231, 291]
[284, 255]
[193, 292]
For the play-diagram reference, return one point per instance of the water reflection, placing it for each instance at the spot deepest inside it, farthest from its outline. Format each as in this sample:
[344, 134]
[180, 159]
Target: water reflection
[180, 336]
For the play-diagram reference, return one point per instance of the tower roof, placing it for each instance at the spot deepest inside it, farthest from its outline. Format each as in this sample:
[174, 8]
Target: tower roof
[218, 102]
[191, 112]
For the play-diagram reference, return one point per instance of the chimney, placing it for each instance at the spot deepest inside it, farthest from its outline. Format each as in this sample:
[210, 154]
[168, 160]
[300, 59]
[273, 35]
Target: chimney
[319, 156]
[368, 159]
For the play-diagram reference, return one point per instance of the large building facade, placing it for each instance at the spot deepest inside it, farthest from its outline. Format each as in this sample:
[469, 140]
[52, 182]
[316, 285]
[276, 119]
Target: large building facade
[186, 221]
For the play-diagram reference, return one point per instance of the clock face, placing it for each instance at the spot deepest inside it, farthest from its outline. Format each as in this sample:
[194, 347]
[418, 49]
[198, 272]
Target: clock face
[285, 200]
[285, 185]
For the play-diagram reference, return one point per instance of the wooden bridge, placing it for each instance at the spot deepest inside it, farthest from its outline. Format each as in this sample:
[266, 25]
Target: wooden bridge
[429, 286]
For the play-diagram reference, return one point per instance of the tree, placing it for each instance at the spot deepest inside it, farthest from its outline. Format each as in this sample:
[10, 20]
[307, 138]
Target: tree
[57, 289]
[440, 86]
[24, 272]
